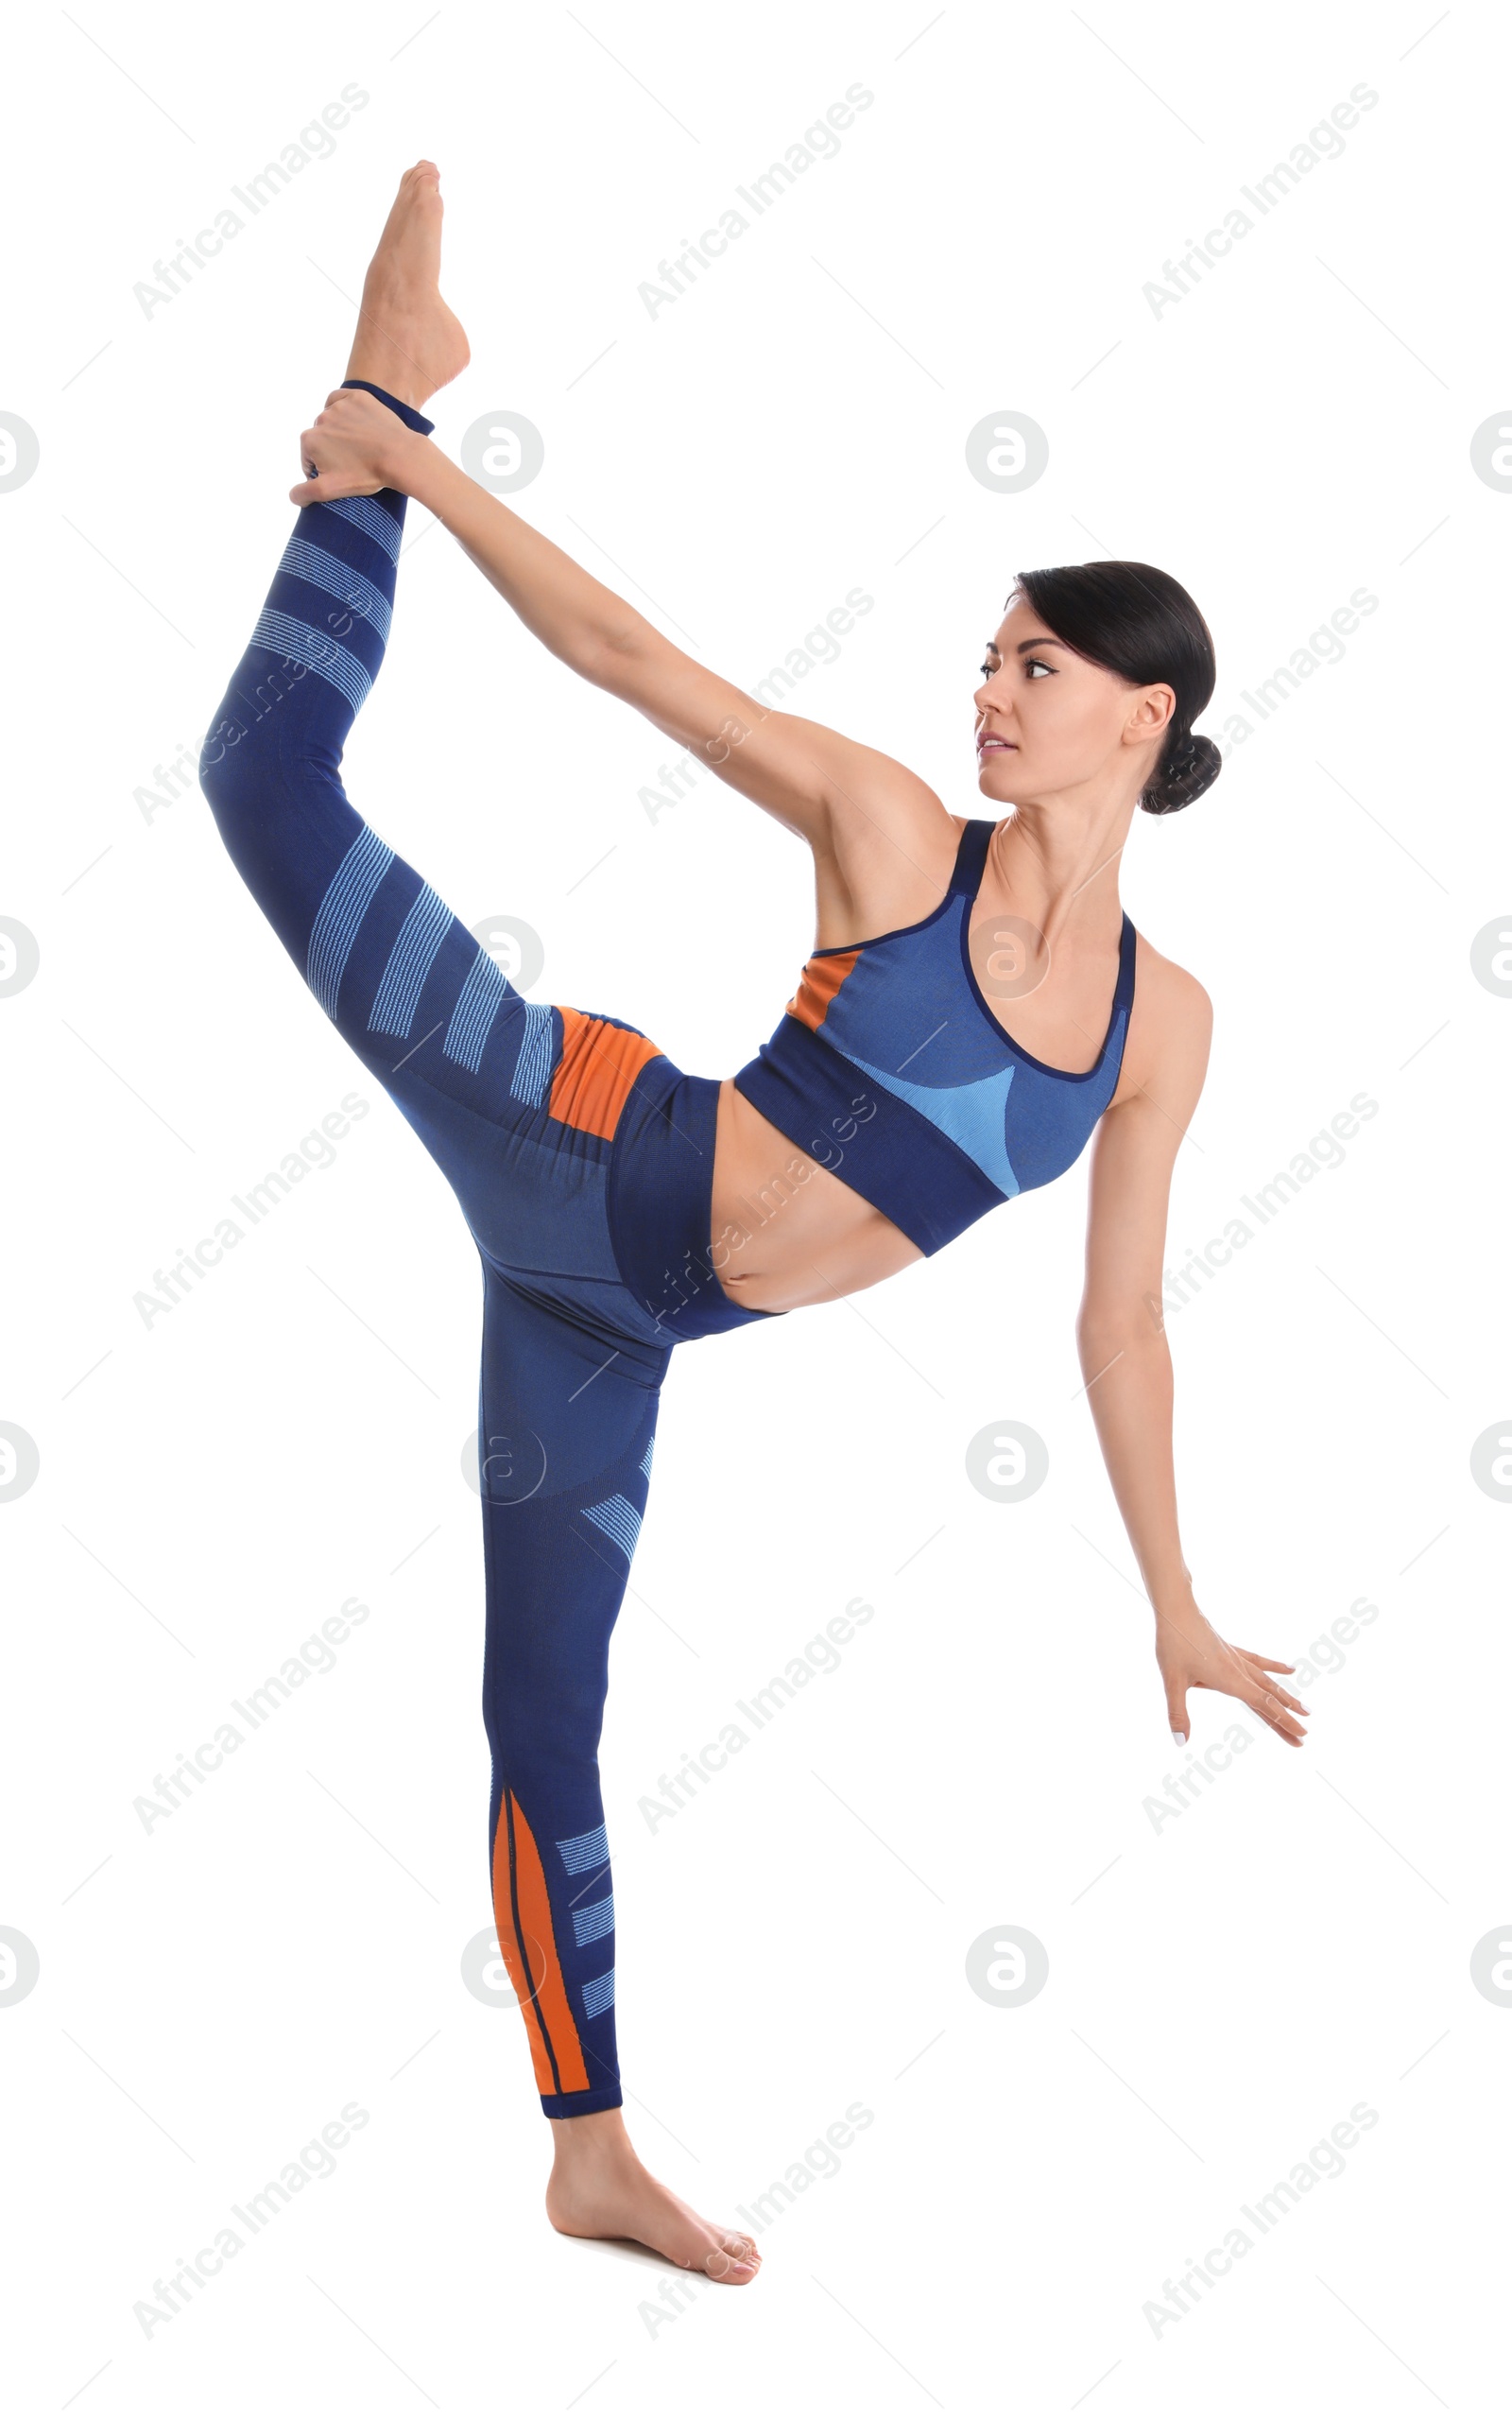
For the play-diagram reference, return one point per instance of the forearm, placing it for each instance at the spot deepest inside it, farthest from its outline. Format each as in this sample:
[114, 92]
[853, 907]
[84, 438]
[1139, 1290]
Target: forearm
[576, 616]
[1130, 1388]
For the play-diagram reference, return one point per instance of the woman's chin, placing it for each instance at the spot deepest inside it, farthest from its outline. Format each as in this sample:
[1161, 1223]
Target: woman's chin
[996, 775]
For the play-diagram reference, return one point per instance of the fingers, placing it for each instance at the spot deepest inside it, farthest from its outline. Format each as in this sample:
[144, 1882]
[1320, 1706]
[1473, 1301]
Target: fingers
[338, 458]
[1258, 1667]
[1241, 1675]
[326, 486]
[331, 487]
[1252, 1669]
[1287, 1698]
[1269, 1707]
[310, 492]
[353, 409]
[1212, 1663]
[317, 487]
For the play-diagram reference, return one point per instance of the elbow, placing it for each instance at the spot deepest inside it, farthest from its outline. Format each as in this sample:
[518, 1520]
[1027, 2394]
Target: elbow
[1108, 1327]
[611, 653]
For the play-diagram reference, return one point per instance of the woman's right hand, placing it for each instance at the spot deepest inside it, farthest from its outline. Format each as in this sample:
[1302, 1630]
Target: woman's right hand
[356, 446]
[1191, 1655]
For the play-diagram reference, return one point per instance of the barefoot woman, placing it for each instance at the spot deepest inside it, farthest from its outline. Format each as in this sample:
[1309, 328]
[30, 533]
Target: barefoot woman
[976, 1005]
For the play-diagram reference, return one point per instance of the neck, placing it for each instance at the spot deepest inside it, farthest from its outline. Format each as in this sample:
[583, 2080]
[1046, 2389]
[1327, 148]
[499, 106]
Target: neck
[1057, 858]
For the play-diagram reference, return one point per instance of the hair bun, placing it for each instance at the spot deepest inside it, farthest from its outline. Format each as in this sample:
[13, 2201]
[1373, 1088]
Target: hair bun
[1191, 763]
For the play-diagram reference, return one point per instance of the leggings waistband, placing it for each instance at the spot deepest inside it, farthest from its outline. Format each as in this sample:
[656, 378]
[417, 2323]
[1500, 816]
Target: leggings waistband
[661, 1193]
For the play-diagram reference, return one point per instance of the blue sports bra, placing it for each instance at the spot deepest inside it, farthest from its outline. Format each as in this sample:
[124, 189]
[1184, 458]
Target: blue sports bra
[890, 1069]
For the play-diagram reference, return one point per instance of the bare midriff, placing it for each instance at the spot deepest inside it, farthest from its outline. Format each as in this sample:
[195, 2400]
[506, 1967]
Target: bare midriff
[784, 1230]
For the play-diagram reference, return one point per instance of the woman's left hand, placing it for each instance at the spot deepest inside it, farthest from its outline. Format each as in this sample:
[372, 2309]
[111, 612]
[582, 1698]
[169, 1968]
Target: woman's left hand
[1191, 1656]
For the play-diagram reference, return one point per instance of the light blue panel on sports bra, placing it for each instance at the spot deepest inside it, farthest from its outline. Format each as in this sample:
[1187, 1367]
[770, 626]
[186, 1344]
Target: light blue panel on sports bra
[972, 1115]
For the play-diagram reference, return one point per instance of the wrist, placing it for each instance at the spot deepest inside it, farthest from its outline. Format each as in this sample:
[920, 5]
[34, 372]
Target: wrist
[1174, 1601]
[405, 460]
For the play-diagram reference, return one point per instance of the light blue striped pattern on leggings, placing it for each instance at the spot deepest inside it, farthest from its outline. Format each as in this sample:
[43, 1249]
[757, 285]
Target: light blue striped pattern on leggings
[533, 1067]
[328, 572]
[618, 1520]
[479, 1004]
[297, 642]
[410, 961]
[592, 1924]
[598, 1995]
[347, 901]
[585, 1850]
[371, 519]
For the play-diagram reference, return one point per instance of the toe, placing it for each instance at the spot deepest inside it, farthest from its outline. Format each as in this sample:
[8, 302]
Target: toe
[736, 2249]
[728, 2268]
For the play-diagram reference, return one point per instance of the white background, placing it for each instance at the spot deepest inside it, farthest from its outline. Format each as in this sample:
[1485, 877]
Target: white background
[1223, 1989]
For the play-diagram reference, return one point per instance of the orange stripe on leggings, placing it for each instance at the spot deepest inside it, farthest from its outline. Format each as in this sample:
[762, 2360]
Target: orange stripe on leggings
[818, 985]
[598, 1064]
[521, 1916]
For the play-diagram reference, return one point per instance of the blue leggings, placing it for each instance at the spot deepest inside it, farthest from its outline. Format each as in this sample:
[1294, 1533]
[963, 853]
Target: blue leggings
[583, 1162]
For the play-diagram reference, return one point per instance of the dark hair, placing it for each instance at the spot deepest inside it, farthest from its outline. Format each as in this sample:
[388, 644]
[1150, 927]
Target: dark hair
[1140, 623]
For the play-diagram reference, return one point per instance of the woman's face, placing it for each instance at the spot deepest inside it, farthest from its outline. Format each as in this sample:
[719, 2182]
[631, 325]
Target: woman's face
[1047, 720]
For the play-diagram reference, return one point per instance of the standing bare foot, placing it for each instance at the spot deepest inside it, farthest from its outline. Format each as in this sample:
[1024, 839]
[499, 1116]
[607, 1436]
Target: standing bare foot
[407, 341]
[599, 2187]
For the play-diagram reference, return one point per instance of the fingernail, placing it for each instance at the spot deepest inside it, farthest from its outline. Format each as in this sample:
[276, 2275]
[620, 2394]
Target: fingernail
[1180, 1738]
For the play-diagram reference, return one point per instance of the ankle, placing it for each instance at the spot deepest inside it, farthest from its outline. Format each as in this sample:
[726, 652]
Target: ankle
[597, 2140]
[411, 389]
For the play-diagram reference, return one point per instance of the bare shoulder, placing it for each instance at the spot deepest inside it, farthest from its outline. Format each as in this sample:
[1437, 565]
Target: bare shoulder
[883, 851]
[1170, 1032]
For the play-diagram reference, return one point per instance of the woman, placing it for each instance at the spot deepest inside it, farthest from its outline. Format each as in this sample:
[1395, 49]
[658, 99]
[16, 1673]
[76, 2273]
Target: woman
[917, 1081]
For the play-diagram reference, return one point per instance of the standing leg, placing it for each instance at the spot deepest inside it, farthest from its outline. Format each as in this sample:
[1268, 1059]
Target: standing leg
[568, 1417]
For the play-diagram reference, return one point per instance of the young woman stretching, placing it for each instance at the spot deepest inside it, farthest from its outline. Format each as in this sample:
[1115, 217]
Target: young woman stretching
[975, 1007]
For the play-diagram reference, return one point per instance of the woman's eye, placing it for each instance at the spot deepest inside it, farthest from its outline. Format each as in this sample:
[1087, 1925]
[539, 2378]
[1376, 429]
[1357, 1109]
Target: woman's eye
[1034, 664]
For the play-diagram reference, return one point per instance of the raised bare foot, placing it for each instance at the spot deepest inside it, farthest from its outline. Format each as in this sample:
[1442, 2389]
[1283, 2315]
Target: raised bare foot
[407, 341]
[599, 2187]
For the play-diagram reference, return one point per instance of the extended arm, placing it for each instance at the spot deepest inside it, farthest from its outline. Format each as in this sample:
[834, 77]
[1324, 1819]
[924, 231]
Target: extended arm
[1126, 1360]
[869, 822]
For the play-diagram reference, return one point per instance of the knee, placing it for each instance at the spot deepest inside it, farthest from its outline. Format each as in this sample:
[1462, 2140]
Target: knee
[542, 1736]
[236, 770]
[257, 811]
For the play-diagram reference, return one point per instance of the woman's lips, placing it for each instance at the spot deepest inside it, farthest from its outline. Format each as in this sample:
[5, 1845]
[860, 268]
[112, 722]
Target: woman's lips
[990, 745]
